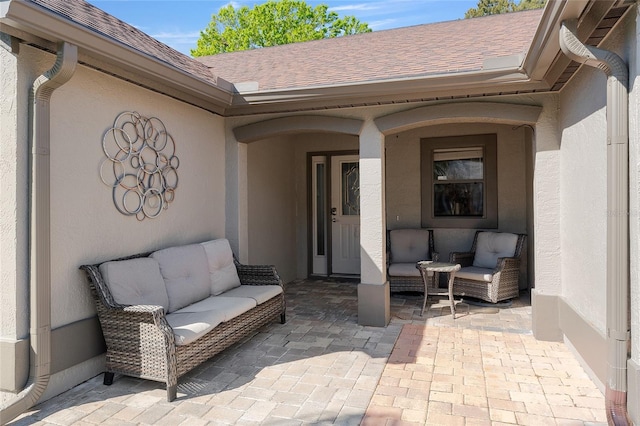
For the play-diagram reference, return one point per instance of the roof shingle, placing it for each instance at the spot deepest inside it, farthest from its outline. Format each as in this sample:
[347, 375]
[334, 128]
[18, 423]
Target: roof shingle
[422, 50]
[97, 20]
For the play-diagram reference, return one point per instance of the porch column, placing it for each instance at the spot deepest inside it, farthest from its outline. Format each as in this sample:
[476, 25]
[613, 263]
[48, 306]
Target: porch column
[373, 290]
[547, 229]
[236, 207]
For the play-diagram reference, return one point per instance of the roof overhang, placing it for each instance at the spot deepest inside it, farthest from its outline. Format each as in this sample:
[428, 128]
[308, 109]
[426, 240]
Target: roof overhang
[545, 61]
[543, 69]
[37, 25]
[432, 87]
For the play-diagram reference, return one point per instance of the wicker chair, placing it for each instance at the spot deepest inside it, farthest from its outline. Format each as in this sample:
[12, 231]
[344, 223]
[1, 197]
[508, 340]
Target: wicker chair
[406, 247]
[491, 269]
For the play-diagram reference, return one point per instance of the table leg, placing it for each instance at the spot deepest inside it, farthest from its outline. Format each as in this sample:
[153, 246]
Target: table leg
[451, 301]
[426, 293]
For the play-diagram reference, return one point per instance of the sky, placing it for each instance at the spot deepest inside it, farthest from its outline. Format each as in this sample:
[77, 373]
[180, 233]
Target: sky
[178, 23]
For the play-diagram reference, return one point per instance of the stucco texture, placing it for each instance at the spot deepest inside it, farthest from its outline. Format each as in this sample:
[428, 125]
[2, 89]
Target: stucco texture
[583, 186]
[85, 226]
[277, 198]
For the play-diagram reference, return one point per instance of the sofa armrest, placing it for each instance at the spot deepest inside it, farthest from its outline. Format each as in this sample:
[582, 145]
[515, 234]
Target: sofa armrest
[136, 314]
[155, 312]
[258, 275]
[124, 322]
[463, 258]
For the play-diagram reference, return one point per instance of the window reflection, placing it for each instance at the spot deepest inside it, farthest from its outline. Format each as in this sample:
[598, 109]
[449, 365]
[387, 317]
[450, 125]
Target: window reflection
[458, 181]
[351, 189]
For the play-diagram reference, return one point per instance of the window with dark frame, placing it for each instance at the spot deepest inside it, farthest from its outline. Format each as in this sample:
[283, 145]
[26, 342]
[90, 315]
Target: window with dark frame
[459, 185]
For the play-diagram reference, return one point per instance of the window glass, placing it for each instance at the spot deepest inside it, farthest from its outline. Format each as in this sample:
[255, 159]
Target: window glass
[459, 183]
[453, 194]
[458, 199]
[320, 209]
[351, 189]
[461, 163]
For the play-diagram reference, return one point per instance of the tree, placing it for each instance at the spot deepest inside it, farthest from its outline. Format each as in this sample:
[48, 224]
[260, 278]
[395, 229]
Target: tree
[272, 23]
[494, 7]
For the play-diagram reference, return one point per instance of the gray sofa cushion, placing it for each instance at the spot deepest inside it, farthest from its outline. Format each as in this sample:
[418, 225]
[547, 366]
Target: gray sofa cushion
[194, 321]
[259, 293]
[228, 307]
[492, 245]
[136, 282]
[409, 245]
[476, 274]
[186, 274]
[222, 270]
[190, 326]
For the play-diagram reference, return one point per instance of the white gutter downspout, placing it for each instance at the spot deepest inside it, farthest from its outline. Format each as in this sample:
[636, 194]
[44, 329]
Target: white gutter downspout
[617, 214]
[40, 238]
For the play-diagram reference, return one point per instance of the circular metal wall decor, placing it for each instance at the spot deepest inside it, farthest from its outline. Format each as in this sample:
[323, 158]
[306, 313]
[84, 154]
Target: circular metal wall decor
[141, 166]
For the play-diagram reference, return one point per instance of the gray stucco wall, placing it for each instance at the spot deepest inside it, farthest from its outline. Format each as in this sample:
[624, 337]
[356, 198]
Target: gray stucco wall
[583, 184]
[582, 124]
[271, 205]
[85, 225]
[277, 189]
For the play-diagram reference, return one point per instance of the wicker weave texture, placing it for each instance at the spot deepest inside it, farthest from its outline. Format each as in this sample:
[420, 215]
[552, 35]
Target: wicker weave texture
[140, 342]
[506, 275]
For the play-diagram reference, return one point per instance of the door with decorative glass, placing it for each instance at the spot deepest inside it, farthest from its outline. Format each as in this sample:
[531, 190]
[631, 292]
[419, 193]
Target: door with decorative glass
[345, 214]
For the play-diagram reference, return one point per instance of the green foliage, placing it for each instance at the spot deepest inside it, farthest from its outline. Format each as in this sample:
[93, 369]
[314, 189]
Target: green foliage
[494, 7]
[272, 23]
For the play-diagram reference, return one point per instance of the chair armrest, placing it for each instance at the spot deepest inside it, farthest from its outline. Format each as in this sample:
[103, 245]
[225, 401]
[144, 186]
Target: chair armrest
[462, 258]
[507, 263]
[258, 275]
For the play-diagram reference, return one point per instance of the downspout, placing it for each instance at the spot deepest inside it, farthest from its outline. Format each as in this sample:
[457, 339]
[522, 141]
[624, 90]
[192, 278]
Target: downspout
[617, 215]
[40, 238]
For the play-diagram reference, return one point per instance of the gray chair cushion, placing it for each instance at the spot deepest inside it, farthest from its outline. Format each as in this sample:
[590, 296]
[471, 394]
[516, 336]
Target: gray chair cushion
[409, 245]
[403, 270]
[259, 293]
[492, 245]
[136, 282]
[186, 274]
[476, 274]
[222, 270]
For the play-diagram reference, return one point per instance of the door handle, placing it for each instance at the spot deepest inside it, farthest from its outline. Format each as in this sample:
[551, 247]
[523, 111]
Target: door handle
[334, 211]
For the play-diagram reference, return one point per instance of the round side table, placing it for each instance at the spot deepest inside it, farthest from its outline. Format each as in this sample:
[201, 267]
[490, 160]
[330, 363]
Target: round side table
[426, 266]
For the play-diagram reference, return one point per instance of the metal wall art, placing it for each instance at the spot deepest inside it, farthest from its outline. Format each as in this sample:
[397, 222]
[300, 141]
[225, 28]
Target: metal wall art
[141, 166]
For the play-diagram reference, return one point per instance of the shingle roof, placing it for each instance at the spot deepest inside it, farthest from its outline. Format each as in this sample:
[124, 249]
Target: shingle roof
[417, 51]
[89, 16]
[422, 50]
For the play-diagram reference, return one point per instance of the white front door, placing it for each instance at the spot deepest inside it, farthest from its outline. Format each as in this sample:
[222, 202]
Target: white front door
[345, 214]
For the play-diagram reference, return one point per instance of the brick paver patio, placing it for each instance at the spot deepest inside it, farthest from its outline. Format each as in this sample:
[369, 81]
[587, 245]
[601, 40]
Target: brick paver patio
[323, 368]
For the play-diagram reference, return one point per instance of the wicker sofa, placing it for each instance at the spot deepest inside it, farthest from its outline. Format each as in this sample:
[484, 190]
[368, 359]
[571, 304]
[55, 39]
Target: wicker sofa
[406, 247]
[166, 312]
[491, 268]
